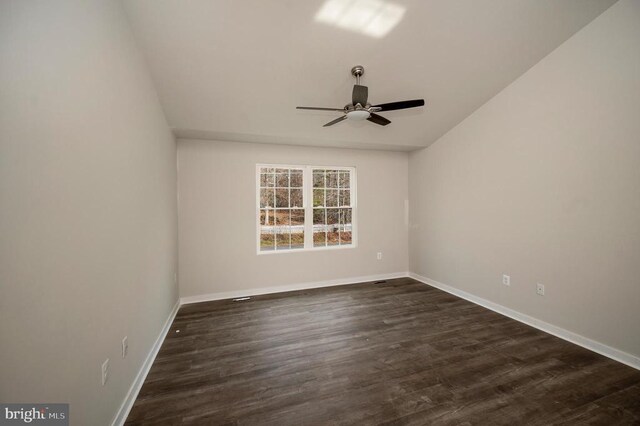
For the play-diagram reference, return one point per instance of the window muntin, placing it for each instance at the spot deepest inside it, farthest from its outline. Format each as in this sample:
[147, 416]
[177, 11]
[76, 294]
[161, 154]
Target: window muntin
[305, 207]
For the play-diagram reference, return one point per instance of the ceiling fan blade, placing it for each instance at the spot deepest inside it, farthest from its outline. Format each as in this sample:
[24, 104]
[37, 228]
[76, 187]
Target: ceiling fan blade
[322, 109]
[400, 105]
[360, 95]
[337, 120]
[378, 119]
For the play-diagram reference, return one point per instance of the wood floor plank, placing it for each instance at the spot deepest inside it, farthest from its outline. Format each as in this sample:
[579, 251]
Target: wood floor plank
[396, 353]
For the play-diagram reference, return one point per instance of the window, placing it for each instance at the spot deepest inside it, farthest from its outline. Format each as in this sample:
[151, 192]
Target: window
[305, 207]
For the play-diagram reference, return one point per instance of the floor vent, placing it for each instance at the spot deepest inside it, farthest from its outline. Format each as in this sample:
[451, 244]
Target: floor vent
[241, 299]
[380, 282]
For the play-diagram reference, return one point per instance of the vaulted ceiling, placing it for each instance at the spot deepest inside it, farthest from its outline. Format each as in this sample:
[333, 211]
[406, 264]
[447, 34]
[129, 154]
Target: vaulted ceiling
[236, 69]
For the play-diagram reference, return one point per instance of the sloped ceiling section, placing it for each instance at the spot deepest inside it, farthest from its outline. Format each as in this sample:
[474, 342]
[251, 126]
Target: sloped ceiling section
[235, 70]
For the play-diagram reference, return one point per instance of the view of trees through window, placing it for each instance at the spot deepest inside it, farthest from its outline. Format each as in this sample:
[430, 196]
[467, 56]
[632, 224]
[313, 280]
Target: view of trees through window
[283, 195]
[281, 209]
[331, 207]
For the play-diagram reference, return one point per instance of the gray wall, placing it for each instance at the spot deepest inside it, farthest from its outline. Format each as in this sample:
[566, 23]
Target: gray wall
[88, 234]
[543, 183]
[217, 219]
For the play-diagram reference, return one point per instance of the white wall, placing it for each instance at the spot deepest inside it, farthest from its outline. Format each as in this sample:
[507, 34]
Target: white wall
[88, 238]
[217, 218]
[543, 183]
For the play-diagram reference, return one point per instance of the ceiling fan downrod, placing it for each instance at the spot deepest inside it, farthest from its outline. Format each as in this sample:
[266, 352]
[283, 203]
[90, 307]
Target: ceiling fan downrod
[357, 72]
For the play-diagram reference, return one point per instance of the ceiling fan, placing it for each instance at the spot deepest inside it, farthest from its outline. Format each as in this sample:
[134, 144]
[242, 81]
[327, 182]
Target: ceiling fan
[359, 108]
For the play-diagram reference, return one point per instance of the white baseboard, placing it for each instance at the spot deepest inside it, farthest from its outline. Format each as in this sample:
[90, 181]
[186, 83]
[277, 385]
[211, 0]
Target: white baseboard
[127, 404]
[290, 287]
[585, 342]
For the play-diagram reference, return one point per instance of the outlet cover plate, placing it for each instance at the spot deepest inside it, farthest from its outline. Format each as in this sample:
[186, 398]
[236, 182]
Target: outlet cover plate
[506, 279]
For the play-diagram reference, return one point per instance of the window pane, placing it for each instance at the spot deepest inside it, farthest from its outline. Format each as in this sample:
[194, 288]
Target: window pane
[266, 241]
[266, 197]
[283, 217]
[297, 240]
[318, 197]
[333, 238]
[297, 217]
[296, 178]
[296, 198]
[267, 170]
[282, 178]
[345, 197]
[318, 178]
[319, 239]
[344, 180]
[333, 216]
[332, 198]
[282, 197]
[345, 238]
[267, 180]
[267, 217]
[345, 219]
[283, 241]
[332, 178]
[319, 216]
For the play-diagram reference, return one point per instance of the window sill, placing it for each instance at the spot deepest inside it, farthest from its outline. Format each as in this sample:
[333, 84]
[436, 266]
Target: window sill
[345, 247]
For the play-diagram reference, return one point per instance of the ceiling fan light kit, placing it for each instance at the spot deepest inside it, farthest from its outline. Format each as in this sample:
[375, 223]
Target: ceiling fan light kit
[358, 115]
[359, 109]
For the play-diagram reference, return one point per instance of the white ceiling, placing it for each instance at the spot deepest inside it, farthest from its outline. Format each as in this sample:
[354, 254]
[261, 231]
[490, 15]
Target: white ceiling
[236, 69]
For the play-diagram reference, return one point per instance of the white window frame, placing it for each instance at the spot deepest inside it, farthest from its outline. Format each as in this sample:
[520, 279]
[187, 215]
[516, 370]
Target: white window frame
[307, 204]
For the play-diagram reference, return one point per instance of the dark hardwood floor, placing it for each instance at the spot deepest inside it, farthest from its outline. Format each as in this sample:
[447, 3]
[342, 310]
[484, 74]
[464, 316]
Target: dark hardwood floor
[396, 353]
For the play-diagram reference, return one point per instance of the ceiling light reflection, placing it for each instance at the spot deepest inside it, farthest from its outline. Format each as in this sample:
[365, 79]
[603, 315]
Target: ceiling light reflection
[374, 18]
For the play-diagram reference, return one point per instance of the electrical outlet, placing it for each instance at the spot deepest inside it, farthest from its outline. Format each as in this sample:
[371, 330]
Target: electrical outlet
[175, 278]
[105, 371]
[379, 255]
[540, 289]
[506, 280]
[125, 346]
